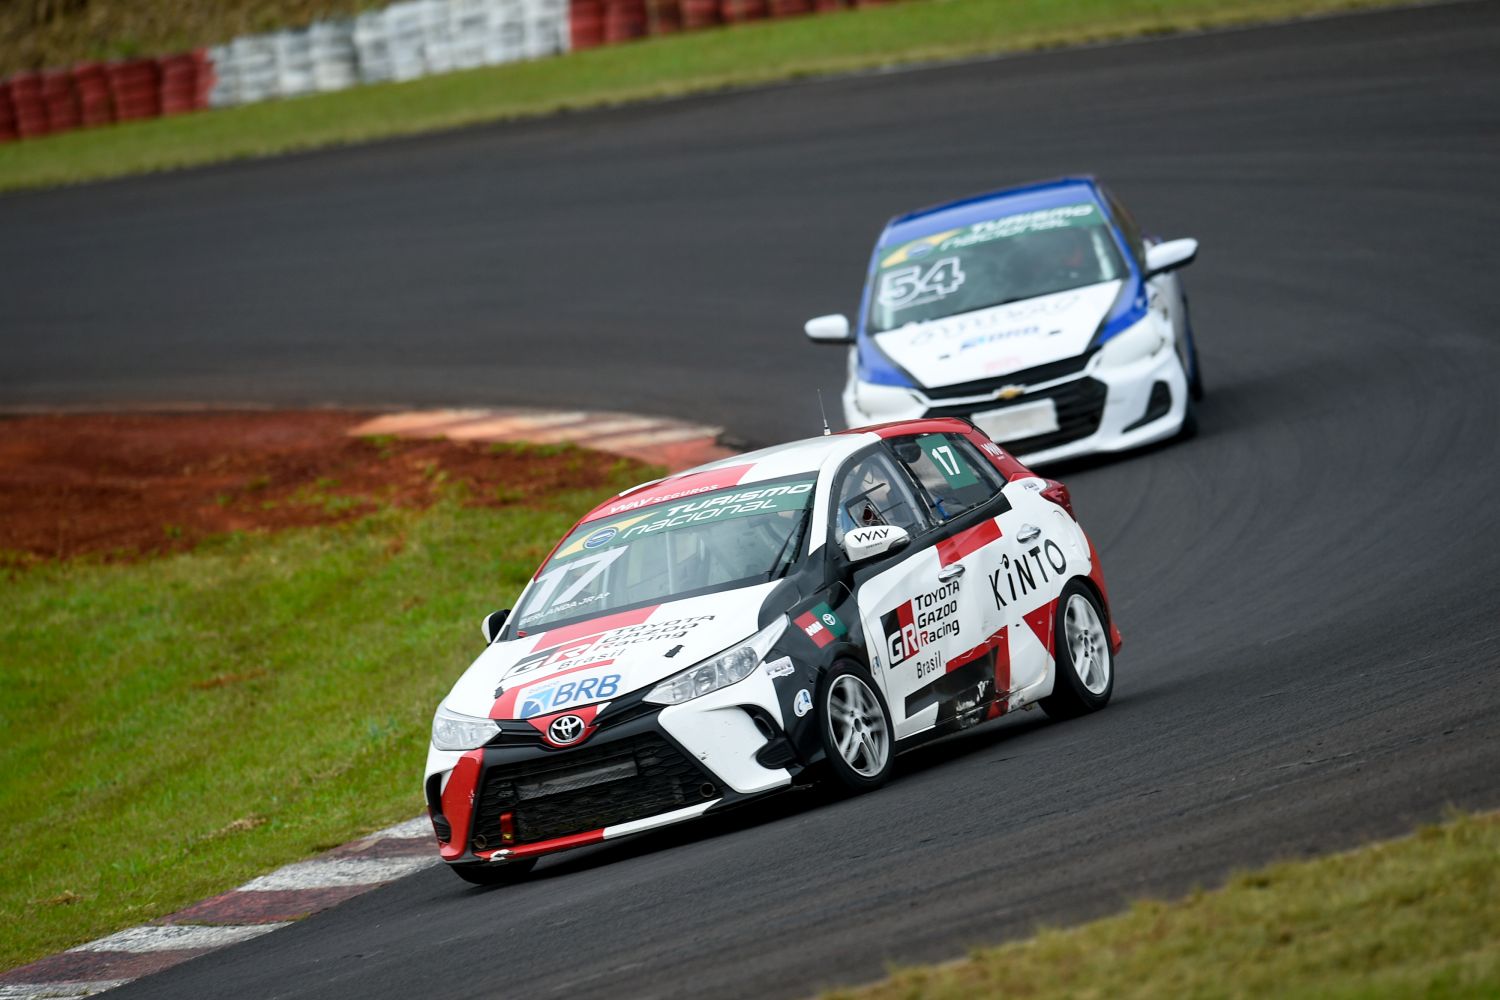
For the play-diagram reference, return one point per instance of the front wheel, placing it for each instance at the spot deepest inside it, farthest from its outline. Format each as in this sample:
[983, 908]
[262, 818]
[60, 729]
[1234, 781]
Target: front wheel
[855, 729]
[494, 872]
[1085, 666]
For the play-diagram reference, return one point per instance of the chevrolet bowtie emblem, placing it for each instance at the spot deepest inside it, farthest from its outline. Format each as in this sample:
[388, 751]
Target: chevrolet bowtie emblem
[1012, 391]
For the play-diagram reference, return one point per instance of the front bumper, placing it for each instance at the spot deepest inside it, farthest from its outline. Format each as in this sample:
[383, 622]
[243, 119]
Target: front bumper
[644, 767]
[1098, 409]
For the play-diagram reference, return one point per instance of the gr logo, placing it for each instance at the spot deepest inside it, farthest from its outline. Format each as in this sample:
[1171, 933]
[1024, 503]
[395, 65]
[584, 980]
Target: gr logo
[902, 639]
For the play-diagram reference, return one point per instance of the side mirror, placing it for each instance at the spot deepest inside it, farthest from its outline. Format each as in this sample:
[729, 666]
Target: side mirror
[492, 624]
[831, 329]
[874, 540]
[1170, 255]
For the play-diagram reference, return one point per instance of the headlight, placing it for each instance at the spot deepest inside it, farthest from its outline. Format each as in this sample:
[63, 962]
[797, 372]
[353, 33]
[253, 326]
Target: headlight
[729, 667]
[452, 731]
[1132, 344]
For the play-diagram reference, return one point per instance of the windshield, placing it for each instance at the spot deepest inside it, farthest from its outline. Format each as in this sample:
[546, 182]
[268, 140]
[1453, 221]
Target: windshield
[734, 537]
[991, 263]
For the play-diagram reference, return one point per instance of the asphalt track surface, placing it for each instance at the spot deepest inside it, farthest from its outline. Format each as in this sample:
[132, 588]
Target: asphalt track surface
[1308, 589]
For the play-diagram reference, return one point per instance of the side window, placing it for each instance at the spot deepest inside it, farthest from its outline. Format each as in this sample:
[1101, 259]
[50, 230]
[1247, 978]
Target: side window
[1127, 224]
[874, 491]
[954, 477]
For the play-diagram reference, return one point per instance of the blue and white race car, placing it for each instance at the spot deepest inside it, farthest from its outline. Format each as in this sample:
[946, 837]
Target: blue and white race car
[1041, 313]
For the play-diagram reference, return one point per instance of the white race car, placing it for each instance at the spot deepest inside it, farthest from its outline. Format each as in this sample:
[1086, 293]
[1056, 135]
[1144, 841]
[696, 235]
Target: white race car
[1041, 313]
[732, 630]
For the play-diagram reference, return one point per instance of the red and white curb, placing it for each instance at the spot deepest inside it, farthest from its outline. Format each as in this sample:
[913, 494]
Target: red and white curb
[258, 907]
[675, 444]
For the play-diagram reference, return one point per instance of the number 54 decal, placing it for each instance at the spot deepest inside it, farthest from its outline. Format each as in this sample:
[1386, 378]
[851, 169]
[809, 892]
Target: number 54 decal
[912, 286]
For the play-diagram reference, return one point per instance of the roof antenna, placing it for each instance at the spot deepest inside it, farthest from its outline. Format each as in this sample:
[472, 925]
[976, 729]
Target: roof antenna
[824, 412]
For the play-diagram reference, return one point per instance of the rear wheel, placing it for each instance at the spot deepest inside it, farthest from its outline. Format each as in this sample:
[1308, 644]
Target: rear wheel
[855, 728]
[1085, 666]
[494, 872]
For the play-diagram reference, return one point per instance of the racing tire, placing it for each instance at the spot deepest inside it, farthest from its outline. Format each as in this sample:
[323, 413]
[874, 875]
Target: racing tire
[1189, 428]
[1195, 371]
[1084, 663]
[494, 873]
[855, 728]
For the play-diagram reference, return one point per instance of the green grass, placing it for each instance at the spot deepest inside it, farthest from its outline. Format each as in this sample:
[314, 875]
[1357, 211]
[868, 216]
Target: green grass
[1407, 918]
[176, 726]
[761, 52]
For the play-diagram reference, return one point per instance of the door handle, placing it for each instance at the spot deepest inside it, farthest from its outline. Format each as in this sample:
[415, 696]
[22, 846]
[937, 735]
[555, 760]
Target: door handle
[951, 572]
[1028, 533]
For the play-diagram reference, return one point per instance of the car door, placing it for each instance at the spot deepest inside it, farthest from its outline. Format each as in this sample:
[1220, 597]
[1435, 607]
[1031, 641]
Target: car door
[873, 489]
[976, 528]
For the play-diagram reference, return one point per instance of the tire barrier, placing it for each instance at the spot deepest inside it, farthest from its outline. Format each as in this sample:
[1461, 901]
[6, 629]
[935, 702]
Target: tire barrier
[604, 22]
[90, 94]
[404, 41]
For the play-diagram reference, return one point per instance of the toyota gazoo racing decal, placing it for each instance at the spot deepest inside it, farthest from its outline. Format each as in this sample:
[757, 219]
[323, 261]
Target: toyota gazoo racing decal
[915, 625]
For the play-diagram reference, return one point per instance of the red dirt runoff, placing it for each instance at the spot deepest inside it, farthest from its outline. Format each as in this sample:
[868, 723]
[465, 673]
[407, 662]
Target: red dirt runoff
[122, 486]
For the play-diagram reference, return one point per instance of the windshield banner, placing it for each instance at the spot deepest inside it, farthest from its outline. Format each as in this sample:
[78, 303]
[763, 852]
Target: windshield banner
[1062, 217]
[724, 506]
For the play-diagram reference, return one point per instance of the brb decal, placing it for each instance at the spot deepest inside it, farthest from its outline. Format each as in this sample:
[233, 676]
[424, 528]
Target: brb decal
[560, 695]
[1015, 578]
[911, 627]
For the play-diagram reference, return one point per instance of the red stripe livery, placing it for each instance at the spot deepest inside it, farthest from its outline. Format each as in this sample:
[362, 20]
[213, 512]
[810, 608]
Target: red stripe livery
[951, 550]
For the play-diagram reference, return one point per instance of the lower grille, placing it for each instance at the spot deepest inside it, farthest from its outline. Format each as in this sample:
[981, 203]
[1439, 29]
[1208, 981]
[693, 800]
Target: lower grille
[581, 790]
[1080, 407]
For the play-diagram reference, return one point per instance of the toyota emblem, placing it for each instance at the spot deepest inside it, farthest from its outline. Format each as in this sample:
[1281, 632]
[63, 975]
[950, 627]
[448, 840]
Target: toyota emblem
[566, 729]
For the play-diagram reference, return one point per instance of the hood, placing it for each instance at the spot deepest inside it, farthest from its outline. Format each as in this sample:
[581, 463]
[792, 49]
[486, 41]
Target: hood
[590, 662]
[994, 342]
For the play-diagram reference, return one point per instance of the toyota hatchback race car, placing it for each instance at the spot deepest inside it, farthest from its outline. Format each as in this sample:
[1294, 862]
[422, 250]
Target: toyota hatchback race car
[809, 609]
[1042, 313]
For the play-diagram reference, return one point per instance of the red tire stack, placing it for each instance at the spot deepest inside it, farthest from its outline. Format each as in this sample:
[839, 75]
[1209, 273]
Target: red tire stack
[790, 8]
[586, 22]
[186, 80]
[8, 131]
[61, 100]
[826, 5]
[624, 20]
[91, 84]
[735, 11]
[664, 17]
[700, 14]
[135, 86]
[29, 107]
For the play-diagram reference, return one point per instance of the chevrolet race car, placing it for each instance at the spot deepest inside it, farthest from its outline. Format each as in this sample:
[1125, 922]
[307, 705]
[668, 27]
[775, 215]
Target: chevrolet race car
[1042, 313]
[810, 609]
